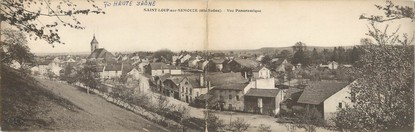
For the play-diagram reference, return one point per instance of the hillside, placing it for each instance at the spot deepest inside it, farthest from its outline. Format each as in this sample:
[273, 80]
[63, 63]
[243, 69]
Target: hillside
[36, 104]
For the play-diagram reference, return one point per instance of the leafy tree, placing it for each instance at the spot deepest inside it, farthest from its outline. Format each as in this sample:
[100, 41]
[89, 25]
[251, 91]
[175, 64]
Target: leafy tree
[383, 94]
[264, 128]
[266, 60]
[300, 55]
[69, 74]
[26, 15]
[14, 47]
[308, 119]
[214, 123]
[315, 58]
[88, 75]
[239, 125]
[164, 53]
[299, 46]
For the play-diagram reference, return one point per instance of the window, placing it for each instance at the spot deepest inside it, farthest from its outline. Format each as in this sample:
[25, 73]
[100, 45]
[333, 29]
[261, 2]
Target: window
[182, 89]
[340, 105]
[237, 97]
[230, 97]
[197, 93]
[191, 91]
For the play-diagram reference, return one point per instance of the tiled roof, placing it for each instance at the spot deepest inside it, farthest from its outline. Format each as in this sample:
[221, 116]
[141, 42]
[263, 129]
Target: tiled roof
[257, 69]
[247, 63]
[231, 86]
[262, 92]
[217, 61]
[113, 67]
[317, 92]
[159, 65]
[102, 54]
[219, 78]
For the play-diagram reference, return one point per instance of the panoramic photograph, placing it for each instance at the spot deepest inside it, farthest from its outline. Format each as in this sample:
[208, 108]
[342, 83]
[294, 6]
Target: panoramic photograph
[207, 65]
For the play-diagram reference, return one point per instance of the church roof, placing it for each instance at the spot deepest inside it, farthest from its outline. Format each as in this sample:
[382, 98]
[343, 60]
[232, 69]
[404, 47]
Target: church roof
[101, 53]
[94, 40]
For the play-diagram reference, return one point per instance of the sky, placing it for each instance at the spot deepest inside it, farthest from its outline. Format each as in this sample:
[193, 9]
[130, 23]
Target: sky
[279, 24]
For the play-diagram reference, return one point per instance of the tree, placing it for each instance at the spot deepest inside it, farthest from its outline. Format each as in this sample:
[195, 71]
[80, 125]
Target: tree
[300, 55]
[264, 128]
[315, 58]
[164, 53]
[88, 75]
[69, 74]
[299, 46]
[266, 60]
[307, 119]
[239, 125]
[383, 94]
[26, 15]
[214, 123]
[14, 47]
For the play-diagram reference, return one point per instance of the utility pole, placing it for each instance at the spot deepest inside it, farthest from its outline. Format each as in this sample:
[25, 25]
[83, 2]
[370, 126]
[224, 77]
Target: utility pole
[206, 103]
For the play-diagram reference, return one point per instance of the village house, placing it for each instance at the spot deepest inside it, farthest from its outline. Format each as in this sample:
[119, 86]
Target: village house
[191, 87]
[228, 90]
[218, 63]
[132, 73]
[49, 64]
[261, 72]
[171, 87]
[112, 71]
[230, 65]
[282, 65]
[159, 68]
[263, 101]
[330, 65]
[230, 96]
[326, 97]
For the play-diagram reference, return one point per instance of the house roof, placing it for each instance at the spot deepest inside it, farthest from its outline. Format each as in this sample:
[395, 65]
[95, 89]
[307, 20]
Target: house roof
[231, 86]
[217, 61]
[219, 78]
[293, 93]
[247, 63]
[257, 69]
[317, 92]
[113, 67]
[127, 68]
[158, 65]
[262, 92]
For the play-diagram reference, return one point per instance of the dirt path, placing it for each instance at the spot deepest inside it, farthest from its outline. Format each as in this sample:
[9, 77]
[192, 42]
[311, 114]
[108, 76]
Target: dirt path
[94, 113]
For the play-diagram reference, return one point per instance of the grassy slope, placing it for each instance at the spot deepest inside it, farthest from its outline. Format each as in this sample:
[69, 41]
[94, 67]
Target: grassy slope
[38, 104]
[22, 102]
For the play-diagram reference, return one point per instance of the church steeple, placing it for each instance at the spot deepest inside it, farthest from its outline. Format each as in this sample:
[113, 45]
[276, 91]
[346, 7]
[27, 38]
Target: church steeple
[94, 44]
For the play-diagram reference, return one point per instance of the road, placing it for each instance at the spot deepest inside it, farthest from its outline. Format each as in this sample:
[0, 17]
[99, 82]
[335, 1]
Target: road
[93, 112]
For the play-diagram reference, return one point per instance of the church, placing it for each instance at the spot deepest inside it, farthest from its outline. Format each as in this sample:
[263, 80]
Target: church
[100, 53]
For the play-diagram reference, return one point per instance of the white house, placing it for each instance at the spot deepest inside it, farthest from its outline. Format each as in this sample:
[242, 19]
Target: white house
[113, 70]
[338, 100]
[134, 73]
[261, 72]
[326, 97]
[331, 65]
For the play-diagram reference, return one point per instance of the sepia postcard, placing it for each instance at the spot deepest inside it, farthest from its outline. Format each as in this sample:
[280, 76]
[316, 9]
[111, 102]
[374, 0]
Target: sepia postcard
[207, 65]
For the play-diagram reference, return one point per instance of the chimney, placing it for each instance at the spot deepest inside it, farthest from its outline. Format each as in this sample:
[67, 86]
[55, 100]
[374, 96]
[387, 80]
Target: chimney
[201, 80]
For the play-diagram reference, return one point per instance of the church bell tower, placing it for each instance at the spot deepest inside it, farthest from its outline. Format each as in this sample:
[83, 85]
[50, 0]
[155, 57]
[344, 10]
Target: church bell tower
[94, 44]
